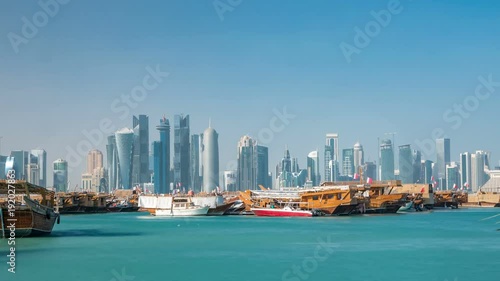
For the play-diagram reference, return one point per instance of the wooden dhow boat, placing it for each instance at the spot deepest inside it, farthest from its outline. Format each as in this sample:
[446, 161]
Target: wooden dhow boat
[446, 199]
[383, 199]
[26, 209]
[332, 199]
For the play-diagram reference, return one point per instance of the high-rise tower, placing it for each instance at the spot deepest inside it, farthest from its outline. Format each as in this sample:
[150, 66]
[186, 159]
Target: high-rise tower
[253, 165]
[60, 175]
[181, 151]
[443, 158]
[465, 169]
[386, 160]
[210, 160]
[141, 149]
[196, 165]
[112, 163]
[313, 168]
[39, 158]
[406, 164]
[331, 157]
[161, 155]
[125, 151]
[359, 157]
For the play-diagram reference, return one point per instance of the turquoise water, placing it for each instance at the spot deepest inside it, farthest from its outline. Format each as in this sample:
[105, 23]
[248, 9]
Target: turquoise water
[440, 245]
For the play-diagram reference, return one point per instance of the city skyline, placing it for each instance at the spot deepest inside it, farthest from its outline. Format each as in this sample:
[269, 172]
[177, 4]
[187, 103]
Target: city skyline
[454, 159]
[262, 68]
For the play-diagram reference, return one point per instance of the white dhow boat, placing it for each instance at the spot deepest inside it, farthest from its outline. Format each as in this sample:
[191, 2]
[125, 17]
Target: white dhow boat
[181, 207]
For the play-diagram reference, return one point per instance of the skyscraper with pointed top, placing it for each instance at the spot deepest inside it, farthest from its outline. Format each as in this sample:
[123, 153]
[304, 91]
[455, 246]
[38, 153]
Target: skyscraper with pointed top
[210, 159]
[286, 162]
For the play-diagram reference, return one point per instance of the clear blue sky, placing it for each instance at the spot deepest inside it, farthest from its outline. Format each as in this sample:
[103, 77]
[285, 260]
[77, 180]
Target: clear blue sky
[265, 54]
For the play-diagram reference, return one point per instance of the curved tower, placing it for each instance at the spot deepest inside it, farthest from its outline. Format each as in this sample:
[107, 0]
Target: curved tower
[210, 160]
[313, 168]
[125, 149]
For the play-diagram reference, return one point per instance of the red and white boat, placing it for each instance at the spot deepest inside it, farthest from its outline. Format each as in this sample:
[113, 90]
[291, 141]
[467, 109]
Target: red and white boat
[287, 211]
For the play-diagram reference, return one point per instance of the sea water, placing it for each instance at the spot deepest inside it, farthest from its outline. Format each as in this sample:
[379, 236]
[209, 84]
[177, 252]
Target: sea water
[453, 245]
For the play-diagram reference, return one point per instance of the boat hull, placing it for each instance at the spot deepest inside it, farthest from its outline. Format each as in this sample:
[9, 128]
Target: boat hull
[30, 222]
[181, 212]
[344, 210]
[219, 210]
[280, 213]
[452, 205]
[122, 209]
[75, 210]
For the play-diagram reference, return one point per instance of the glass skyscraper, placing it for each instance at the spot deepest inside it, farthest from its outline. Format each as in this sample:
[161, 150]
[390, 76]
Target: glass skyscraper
[426, 173]
[141, 149]
[286, 162]
[113, 167]
[443, 158]
[417, 166]
[370, 170]
[39, 157]
[263, 166]
[478, 175]
[386, 160]
[452, 176]
[406, 164]
[253, 165]
[21, 161]
[60, 175]
[161, 152]
[196, 162]
[181, 151]
[465, 169]
[348, 168]
[125, 151]
[313, 168]
[3, 161]
[331, 157]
